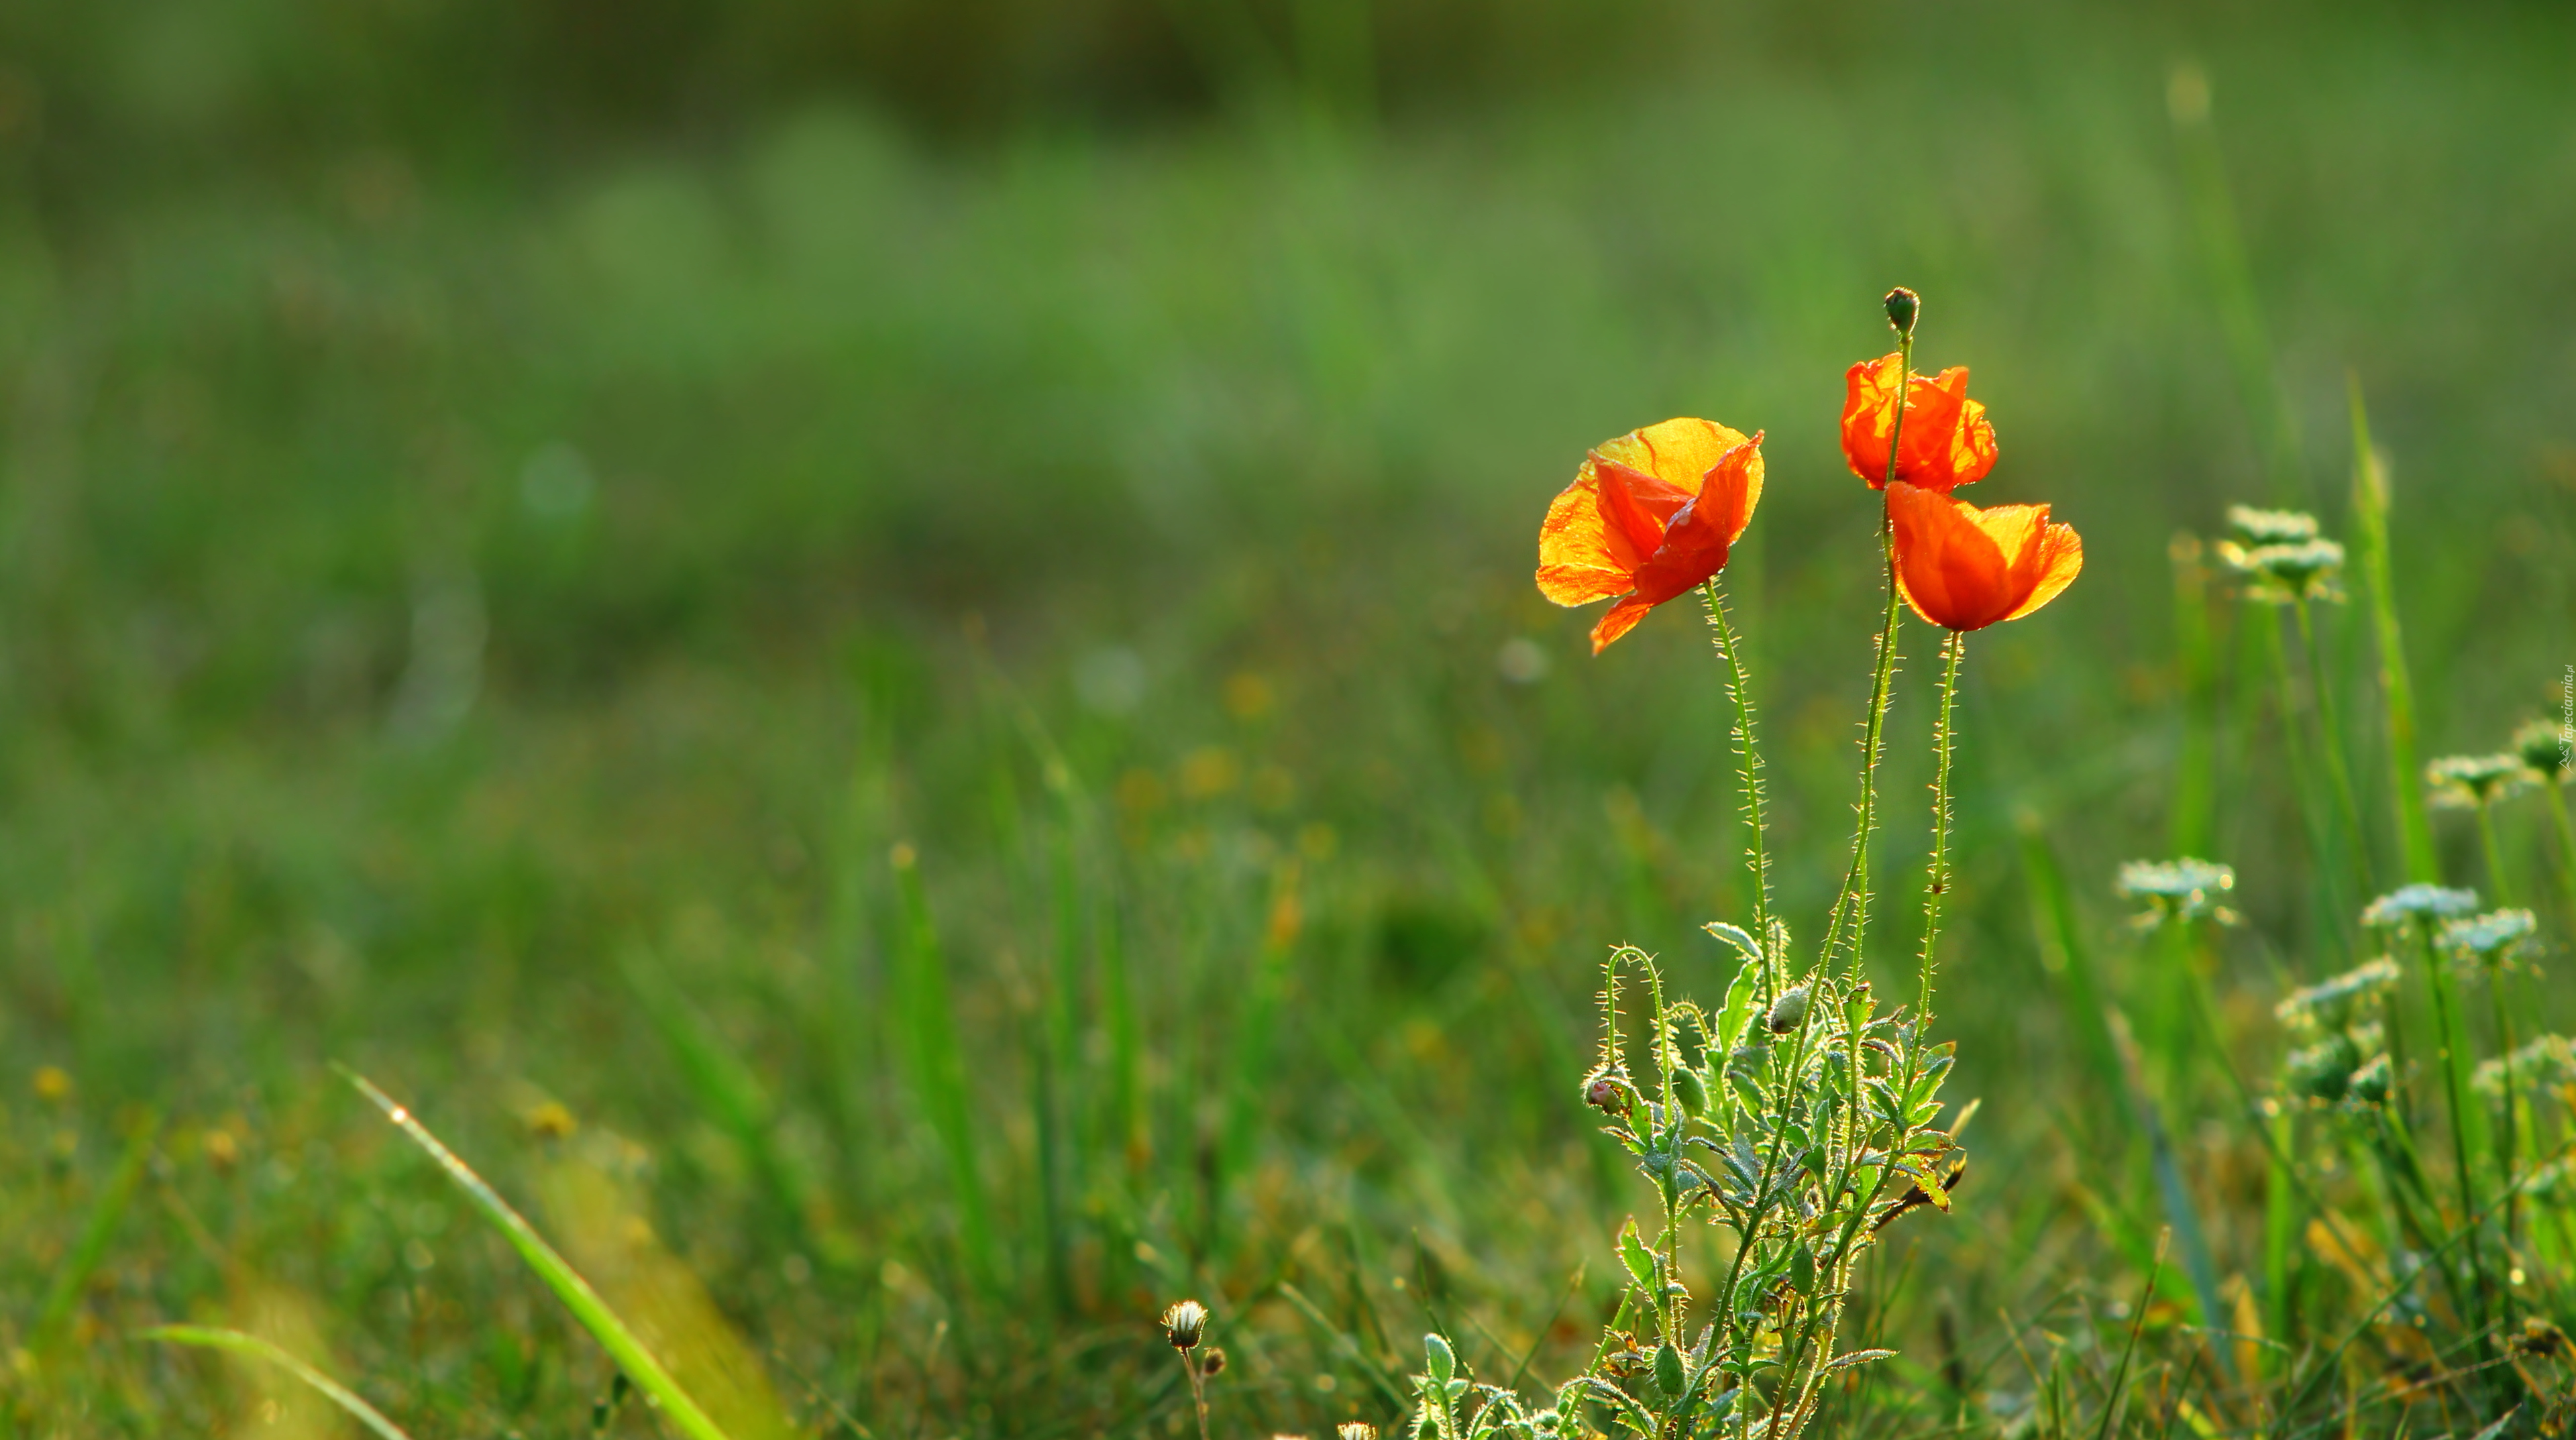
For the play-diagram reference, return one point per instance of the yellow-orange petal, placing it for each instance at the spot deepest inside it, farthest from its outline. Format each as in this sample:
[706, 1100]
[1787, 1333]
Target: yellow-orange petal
[1963, 568]
[1592, 544]
[2059, 558]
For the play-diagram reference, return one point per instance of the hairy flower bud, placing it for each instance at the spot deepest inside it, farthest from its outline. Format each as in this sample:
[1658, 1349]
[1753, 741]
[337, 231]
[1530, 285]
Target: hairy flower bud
[1691, 1091]
[1903, 306]
[1184, 1324]
[1789, 1011]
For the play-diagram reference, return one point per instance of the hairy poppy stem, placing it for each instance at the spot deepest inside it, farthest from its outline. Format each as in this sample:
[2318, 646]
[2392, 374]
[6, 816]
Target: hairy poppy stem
[1740, 686]
[1954, 650]
[1853, 901]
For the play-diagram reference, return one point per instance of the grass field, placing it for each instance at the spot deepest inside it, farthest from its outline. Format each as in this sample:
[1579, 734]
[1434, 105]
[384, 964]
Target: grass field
[921, 749]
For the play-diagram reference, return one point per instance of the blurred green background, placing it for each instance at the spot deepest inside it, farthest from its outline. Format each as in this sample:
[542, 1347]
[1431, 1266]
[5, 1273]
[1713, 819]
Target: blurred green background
[508, 513]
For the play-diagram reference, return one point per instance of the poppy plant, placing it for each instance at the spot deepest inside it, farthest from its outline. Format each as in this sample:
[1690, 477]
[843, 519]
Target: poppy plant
[1649, 516]
[1947, 440]
[1963, 568]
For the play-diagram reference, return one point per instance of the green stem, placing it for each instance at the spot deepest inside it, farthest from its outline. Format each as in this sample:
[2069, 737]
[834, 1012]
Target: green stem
[2294, 753]
[1749, 762]
[2370, 529]
[2452, 1060]
[1853, 899]
[2566, 838]
[1954, 649]
[2497, 880]
[2330, 743]
[2505, 1137]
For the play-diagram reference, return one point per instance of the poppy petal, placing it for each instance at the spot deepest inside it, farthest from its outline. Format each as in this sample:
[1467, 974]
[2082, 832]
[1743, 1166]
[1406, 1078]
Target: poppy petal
[2059, 558]
[1619, 620]
[1695, 547]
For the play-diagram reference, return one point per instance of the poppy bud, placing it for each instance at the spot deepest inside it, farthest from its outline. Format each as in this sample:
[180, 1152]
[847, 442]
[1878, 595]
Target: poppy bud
[1802, 1271]
[1789, 1011]
[1902, 306]
[1604, 1093]
[1688, 1088]
[1184, 1323]
[1668, 1369]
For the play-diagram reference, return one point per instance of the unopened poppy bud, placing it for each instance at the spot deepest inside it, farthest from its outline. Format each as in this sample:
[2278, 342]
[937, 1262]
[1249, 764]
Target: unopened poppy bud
[1668, 1369]
[1802, 1270]
[1213, 1362]
[1902, 306]
[1789, 1011]
[1184, 1323]
[1688, 1088]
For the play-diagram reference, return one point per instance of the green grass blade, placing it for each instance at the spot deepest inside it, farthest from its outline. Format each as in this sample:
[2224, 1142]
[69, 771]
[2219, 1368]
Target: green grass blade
[927, 1027]
[575, 1292]
[238, 1343]
[95, 1234]
[2062, 948]
[725, 1087]
[2396, 685]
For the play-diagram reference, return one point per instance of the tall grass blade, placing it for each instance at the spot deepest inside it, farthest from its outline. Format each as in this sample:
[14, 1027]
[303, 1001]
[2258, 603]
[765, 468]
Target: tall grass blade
[1257, 1031]
[96, 1232]
[927, 1028]
[576, 1293]
[2062, 949]
[724, 1086]
[237, 1343]
[2193, 826]
[2396, 684]
[2240, 310]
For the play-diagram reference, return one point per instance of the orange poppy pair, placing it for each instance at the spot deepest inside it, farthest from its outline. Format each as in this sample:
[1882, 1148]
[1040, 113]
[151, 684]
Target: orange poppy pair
[1652, 514]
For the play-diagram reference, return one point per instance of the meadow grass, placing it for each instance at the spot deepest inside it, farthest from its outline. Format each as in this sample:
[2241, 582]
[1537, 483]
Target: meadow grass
[920, 753]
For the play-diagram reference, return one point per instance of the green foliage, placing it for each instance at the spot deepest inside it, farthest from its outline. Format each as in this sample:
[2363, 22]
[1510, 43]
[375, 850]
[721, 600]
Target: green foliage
[430, 579]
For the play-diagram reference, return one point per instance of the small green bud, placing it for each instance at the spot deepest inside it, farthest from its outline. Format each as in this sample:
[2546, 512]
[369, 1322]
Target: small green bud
[1688, 1088]
[2371, 1083]
[1668, 1369]
[1802, 1271]
[1902, 306]
[1789, 1011]
[1439, 1359]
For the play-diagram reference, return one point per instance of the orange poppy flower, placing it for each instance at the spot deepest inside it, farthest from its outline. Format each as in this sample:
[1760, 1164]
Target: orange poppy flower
[1947, 439]
[1649, 516]
[1963, 568]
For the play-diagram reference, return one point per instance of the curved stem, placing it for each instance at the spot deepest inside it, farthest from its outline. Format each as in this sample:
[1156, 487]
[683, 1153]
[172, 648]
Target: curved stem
[1749, 764]
[1852, 903]
[1955, 648]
